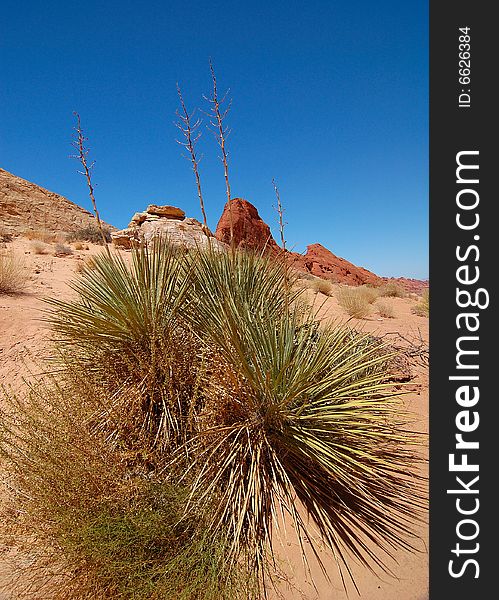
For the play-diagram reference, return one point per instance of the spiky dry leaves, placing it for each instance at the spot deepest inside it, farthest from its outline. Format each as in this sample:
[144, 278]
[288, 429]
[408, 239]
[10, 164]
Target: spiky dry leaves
[203, 377]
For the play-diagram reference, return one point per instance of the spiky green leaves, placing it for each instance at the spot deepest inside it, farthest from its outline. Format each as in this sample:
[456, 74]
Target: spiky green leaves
[255, 408]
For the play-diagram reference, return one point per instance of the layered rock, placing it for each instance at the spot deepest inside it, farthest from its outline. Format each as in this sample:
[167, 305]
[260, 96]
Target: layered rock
[166, 211]
[169, 222]
[321, 262]
[249, 229]
[27, 206]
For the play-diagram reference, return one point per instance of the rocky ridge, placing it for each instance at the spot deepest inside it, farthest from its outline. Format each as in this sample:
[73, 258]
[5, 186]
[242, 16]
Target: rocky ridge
[27, 206]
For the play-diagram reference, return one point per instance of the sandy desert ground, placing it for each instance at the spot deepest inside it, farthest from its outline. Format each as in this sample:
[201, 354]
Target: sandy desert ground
[24, 341]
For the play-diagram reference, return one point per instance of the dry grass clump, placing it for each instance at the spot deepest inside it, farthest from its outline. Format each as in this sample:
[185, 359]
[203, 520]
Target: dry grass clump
[62, 250]
[422, 309]
[42, 235]
[353, 301]
[391, 289]
[385, 309]
[91, 233]
[84, 265]
[322, 285]
[5, 235]
[106, 527]
[370, 294]
[13, 276]
[193, 406]
[38, 247]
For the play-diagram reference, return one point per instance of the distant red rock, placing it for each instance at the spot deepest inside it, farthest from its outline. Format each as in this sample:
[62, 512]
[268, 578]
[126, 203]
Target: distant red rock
[321, 262]
[412, 286]
[249, 229]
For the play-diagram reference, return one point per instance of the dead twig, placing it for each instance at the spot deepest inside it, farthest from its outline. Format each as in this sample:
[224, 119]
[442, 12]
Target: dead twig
[79, 144]
[191, 133]
[415, 347]
[217, 115]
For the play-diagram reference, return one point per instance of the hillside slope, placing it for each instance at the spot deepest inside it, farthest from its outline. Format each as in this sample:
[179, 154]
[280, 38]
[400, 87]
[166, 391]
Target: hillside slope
[27, 206]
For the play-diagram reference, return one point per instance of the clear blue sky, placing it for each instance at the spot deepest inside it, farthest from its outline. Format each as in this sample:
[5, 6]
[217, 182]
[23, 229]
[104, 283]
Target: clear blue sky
[329, 97]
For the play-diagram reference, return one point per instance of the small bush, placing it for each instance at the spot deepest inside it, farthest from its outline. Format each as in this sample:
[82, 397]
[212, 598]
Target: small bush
[38, 247]
[353, 300]
[391, 289]
[369, 294]
[117, 534]
[91, 233]
[385, 309]
[42, 235]
[5, 236]
[323, 286]
[422, 309]
[84, 265]
[62, 250]
[62, 237]
[13, 276]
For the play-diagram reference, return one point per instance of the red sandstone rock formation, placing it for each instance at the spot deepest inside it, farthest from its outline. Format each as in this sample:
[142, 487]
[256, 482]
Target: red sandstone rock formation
[319, 261]
[250, 231]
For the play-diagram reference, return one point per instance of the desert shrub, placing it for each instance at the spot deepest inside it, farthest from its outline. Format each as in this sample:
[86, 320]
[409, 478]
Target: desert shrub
[5, 235]
[385, 309]
[353, 301]
[278, 383]
[38, 247]
[62, 250]
[61, 237]
[189, 379]
[323, 286]
[422, 309]
[391, 289]
[82, 266]
[90, 233]
[117, 534]
[42, 235]
[370, 294]
[13, 276]
[125, 327]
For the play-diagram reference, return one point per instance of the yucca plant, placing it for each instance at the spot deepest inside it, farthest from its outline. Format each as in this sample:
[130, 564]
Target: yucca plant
[125, 329]
[295, 415]
[206, 377]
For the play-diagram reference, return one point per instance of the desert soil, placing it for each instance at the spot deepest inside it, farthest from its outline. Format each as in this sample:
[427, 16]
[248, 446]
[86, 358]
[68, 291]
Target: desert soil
[24, 341]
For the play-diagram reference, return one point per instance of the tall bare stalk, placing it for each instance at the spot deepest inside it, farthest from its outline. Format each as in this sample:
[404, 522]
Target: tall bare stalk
[191, 134]
[217, 116]
[280, 211]
[79, 144]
